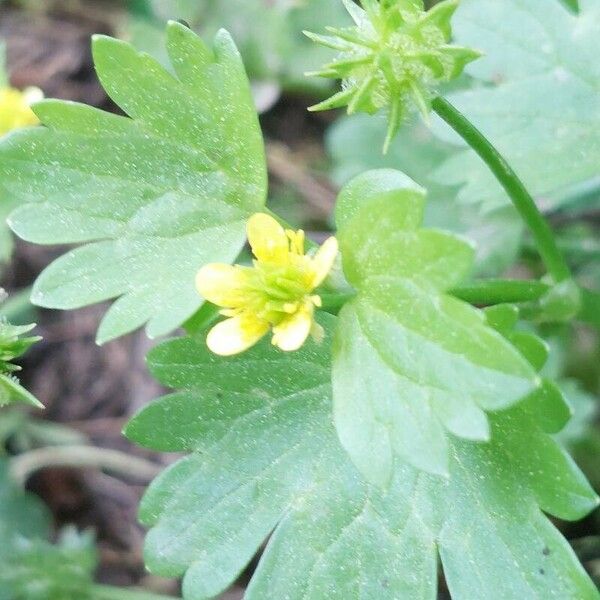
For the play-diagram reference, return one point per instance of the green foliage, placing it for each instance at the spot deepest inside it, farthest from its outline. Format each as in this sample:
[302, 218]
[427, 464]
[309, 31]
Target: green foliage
[248, 22]
[526, 45]
[410, 361]
[153, 196]
[541, 62]
[352, 144]
[6, 239]
[30, 567]
[571, 4]
[581, 435]
[265, 456]
[267, 33]
[22, 515]
[38, 570]
[12, 346]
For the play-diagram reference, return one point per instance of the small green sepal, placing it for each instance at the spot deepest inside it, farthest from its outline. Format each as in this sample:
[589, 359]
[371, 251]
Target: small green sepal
[12, 346]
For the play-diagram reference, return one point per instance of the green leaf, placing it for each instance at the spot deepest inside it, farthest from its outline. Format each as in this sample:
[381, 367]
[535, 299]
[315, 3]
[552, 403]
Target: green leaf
[256, 30]
[265, 458]
[269, 36]
[12, 346]
[571, 4]
[21, 514]
[581, 436]
[547, 403]
[353, 145]
[411, 363]
[585, 413]
[38, 570]
[12, 391]
[154, 196]
[541, 61]
[6, 237]
[590, 307]
[30, 567]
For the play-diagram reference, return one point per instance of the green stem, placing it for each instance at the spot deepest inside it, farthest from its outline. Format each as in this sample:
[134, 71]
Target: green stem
[521, 198]
[486, 292]
[500, 291]
[24, 465]
[108, 592]
[332, 303]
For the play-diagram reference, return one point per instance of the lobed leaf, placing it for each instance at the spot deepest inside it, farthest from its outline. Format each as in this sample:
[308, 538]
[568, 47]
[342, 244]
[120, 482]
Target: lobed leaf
[411, 364]
[265, 461]
[153, 196]
[352, 143]
[269, 37]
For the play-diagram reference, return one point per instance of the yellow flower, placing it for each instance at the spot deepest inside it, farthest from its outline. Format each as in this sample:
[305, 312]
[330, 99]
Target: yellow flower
[276, 293]
[15, 108]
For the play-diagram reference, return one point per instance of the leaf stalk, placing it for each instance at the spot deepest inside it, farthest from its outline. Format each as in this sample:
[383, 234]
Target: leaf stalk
[514, 187]
[109, 592]
[489, 292]
[24, 465]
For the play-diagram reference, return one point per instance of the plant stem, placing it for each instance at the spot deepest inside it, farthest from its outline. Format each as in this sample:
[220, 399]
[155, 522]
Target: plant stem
[108, 592]
[486, 292]
[500, 291]
[521, 198]
[332, 303]
[24, 465]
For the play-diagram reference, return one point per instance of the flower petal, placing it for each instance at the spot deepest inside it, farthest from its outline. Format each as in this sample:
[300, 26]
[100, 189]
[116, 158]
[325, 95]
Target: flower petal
[31, 95]
[14, 111]
[292, 332]
[323, 260]
[268, 239]
[235, 335]
[223, 285]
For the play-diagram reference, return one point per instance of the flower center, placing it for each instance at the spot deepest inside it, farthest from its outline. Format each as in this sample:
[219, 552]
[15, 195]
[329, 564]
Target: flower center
[274, 292]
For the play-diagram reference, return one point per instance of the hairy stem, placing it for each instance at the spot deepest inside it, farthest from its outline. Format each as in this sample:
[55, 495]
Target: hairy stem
[521, 198]
[24, 465]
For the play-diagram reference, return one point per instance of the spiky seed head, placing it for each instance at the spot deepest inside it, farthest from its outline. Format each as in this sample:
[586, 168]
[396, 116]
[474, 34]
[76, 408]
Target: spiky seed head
[392, 59]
